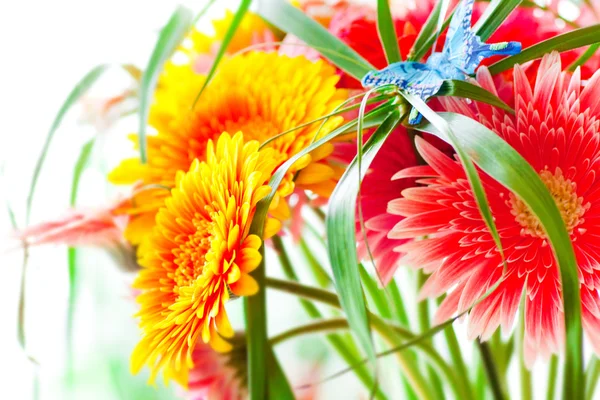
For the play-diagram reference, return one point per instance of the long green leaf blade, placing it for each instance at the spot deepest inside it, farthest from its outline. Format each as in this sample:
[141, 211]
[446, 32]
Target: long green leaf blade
[279, 387]
[341, 235]
[566, 41]
[494, 156]
[169, 38]
[387, 32]
[292, 20]
[495, 13]
[430, 28]
[231, 30]
[474, 92]
[82, 86]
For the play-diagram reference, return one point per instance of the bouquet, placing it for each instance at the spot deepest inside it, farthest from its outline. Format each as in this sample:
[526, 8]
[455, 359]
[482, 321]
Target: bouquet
[421, 176]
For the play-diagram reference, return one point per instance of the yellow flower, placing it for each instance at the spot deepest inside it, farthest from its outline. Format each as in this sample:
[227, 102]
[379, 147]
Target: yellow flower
[261, 94]
[199, 254]
[181, 80]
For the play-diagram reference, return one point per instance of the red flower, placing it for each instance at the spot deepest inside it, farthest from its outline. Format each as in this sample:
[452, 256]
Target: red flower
[556, 128]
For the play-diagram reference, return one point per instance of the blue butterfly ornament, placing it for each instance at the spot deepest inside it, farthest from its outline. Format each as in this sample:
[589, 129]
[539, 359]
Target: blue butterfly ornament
[462, 53]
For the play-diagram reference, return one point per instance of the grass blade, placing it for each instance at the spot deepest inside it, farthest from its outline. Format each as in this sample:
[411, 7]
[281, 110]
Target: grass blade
[82, 86]
[431, 28]
[474, 92]
[292, 20]
[495, 157]
[279, 387]
[582, 59]
[387, 32]
[566, 41]
[169, 38]
[235, 22]
[495, 13]
[341, 235]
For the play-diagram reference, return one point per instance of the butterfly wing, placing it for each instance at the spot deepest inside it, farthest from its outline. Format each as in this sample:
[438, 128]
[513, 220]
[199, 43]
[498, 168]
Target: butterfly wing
[428, 84]
[399, 74]
[464, 49]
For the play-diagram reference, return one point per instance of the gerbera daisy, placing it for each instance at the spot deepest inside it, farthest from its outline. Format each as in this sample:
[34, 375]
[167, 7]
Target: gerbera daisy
[217, 376]
[200, 254]
[261, 94]
[556, 128]
[183, 76]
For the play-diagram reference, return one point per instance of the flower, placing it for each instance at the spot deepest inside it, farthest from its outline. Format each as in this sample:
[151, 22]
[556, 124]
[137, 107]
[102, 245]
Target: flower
[200, 254]
[79, 227]
[183, 76]
[556, 128]
[217, 376]
[261, 94]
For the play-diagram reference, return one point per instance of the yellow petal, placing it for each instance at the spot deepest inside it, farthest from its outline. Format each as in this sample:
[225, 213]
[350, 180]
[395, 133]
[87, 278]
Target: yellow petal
[314, 173]
[245, 286]
[272, 226]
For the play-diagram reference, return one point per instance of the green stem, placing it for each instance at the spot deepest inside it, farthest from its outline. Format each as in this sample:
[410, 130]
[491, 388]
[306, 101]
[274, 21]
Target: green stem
[457, 359]
[399, 309]
[592, 376]
[424, 326]
[387, 329]
[345, 348]
[490, 369]
[526, 393]
[552, 373]
[323, 325]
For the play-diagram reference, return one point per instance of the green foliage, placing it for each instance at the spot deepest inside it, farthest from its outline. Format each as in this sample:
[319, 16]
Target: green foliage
[387, 32]
[567, 41]
[292, 20]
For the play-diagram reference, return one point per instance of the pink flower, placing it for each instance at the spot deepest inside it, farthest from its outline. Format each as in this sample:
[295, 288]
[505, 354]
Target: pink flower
[79, 227]
[217, 376]
[556, 128]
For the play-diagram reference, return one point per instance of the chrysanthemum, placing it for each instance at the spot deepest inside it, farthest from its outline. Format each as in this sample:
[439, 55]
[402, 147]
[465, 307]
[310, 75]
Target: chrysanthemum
[200, 254]
[556, 128]
[261, 94]
[218, 376]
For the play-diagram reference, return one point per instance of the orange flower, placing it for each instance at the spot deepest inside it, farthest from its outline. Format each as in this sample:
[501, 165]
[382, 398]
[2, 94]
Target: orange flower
[200, 253]
[261, 94]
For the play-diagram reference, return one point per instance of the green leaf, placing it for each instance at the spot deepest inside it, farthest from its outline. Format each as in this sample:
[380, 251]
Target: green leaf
[495, 13]
[292, 20]
[430, 31]
[566, 41]
[255, 311]
[582, 59]
[495, 157]
[82, 86]
[169, 38]
[387, 32]
[468, 90]
[279, 387]
[231, 30]
[341, 235]
[419, 52]
[592, 375]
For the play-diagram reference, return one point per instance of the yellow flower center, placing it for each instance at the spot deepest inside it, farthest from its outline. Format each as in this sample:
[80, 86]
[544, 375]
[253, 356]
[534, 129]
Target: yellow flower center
[563, 191]
[189, 256]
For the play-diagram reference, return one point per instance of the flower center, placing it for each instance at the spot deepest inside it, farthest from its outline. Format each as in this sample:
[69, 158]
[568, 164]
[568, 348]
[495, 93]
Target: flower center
[563, 191]
[190, 255]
